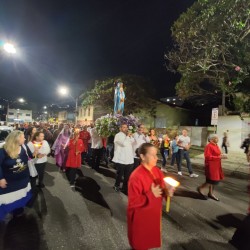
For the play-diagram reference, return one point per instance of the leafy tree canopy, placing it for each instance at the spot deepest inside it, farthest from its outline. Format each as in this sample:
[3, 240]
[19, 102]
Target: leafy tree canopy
[138, 94]
[212, 45]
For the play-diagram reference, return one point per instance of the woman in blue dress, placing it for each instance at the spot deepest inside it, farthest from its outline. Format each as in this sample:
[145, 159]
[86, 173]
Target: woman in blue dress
[15, 189]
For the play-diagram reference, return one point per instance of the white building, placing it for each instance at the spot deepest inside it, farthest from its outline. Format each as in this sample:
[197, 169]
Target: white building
[85, 115]
[19, 115]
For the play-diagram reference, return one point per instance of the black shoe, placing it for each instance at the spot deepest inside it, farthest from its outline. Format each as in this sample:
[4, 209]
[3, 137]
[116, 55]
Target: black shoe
[201, 194]
[213, 197]
[41, 185]
[117, 189]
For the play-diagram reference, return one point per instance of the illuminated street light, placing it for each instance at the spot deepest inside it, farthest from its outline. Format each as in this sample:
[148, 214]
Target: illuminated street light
[9, 48]
[21, 100]
[45, 107]
[63, 91]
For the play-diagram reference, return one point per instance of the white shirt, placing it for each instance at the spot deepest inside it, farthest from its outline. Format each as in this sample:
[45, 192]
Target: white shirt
[44, 149]
[89, 129]
[139, 140]
[96, 140]
[183, 141]
[124, 152]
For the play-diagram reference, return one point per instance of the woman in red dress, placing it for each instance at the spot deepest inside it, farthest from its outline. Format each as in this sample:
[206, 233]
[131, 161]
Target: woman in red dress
[146, 190]
[76, 147]
[213, 169]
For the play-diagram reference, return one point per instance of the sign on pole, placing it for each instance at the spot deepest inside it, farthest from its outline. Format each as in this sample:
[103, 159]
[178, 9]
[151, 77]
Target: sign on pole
[215, 115]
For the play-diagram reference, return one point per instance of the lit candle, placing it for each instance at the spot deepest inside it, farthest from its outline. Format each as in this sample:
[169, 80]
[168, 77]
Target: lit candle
[170, 183]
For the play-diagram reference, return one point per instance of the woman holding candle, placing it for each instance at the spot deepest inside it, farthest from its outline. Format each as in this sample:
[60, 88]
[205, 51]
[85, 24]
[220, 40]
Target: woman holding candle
[213, 169]
[153, 138]
[29, 134]
[75, 147]
[145, 193]
[42, 147]
[60, 146]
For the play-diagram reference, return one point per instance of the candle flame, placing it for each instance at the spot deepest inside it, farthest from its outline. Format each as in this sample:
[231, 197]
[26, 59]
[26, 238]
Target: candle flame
[172, 182]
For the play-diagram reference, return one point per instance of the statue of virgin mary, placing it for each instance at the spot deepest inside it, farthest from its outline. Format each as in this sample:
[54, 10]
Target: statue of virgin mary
[119, 99]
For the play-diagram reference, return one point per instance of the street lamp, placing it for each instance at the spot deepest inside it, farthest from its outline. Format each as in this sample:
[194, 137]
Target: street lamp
[65, 91]
[9, 48]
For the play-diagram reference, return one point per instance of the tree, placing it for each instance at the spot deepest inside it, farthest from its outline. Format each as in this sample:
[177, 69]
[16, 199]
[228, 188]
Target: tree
[211, 48]
[138, 94]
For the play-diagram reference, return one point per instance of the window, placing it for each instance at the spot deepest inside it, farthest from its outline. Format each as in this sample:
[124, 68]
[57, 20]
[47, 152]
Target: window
[88, 111]
[27, 114]
[11, 113]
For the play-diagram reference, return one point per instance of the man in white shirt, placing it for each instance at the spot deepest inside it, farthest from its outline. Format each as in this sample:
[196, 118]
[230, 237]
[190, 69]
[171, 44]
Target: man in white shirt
[184, 144]
[140, 138]
[96, 147]
[123, 157]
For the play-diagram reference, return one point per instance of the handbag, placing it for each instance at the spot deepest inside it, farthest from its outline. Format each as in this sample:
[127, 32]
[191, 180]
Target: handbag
[31, 164]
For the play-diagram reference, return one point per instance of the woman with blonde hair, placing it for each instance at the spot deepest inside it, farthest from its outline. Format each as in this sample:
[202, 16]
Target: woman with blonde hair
[15, 188]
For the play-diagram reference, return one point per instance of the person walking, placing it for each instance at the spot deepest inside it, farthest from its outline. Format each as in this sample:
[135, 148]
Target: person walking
[60, 147]
[43, 149]
[85, 137]
[213, 169]
[96, 148]
[29, 134]
[175, 149]
[164, 149]
[15, 188]
[153, 138]
[146, 190]
[140, 137]
[225, 142]
[246, 146]
[123, 157]
[184, 144]
[75, 149]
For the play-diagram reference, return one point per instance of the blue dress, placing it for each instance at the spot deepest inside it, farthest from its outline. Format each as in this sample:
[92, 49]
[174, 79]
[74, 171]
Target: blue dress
[16, 173]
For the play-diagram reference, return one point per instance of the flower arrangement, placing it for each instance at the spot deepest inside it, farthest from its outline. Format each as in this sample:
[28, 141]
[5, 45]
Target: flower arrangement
[109, 125]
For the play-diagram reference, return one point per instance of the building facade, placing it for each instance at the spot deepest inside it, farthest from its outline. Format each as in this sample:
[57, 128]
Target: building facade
[19, 116]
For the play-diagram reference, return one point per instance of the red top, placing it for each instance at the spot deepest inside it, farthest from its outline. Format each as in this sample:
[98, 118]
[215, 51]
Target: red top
[85, 136]
[144, 209]
[74, 156]
[213, 169]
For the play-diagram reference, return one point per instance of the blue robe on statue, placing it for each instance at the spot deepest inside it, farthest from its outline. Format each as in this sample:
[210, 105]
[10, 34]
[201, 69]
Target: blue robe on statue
[119, 98]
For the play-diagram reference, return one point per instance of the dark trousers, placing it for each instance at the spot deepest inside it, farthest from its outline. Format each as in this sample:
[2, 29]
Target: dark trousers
[40, 168]
[96, 158]
[137, 163]
[164, 154]
[71, 174]
[175, 156]
[84, 156]
[124, 171]
[224, 146]
[89, 154]
[184, 153]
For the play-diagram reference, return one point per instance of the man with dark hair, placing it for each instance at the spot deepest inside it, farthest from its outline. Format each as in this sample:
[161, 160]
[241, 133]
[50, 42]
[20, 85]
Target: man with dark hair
[246, 145]
[123, 157]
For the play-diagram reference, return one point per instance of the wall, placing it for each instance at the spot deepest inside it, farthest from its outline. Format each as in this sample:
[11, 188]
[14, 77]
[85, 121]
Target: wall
[236, 129]
[85, 115]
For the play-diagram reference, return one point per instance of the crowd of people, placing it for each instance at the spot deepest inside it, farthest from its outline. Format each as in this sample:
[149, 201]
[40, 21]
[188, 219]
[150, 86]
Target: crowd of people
[135, 158]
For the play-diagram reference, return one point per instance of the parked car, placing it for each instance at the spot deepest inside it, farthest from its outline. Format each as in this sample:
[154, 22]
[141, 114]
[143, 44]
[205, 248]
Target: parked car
[4, 132]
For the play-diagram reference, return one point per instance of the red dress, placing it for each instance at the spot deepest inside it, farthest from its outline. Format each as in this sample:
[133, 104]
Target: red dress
[73, 160]
[85, 136]
[144, 209]
[213, 169]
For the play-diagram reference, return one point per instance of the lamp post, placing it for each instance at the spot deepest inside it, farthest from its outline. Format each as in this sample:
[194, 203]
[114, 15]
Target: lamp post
[64, 91]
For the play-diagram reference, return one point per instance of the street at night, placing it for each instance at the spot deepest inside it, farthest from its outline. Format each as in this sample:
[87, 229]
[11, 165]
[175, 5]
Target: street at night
[94, 219]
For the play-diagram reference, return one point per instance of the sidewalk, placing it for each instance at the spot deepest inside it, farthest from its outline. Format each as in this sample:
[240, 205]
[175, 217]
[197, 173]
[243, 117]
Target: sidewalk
[235, 165]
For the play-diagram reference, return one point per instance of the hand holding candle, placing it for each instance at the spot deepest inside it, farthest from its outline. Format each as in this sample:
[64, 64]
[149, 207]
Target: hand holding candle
[171, 184]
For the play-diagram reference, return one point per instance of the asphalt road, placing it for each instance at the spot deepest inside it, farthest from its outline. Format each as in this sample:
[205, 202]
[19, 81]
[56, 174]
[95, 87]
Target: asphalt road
[94, 217]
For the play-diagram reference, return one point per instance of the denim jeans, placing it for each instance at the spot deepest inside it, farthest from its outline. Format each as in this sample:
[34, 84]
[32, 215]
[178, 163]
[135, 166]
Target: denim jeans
[164, 154]
[184, 153]
[175, 156]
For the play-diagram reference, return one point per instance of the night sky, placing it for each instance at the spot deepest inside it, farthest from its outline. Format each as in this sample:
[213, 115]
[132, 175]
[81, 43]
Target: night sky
[75, 42]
